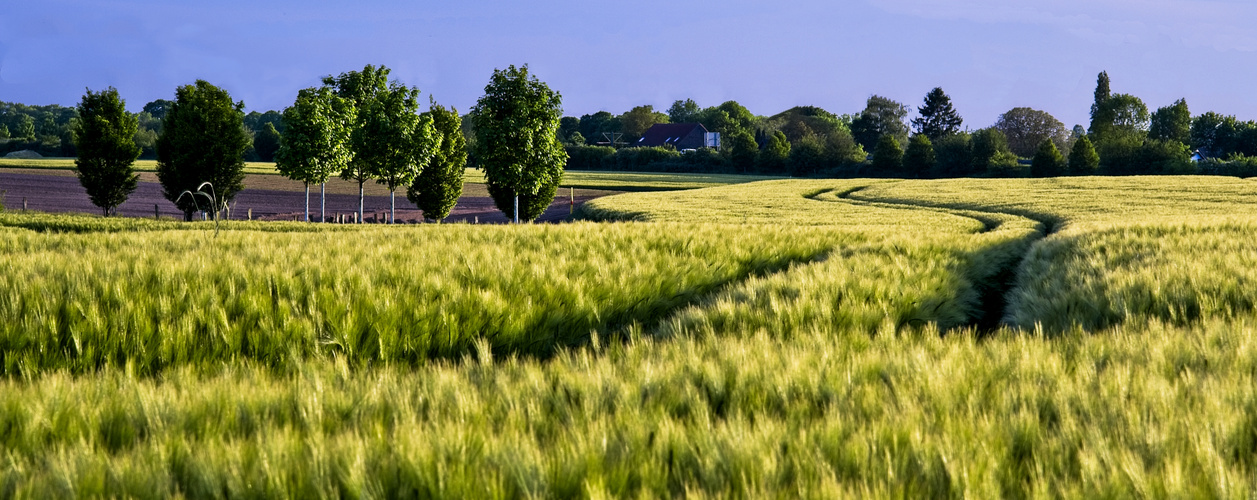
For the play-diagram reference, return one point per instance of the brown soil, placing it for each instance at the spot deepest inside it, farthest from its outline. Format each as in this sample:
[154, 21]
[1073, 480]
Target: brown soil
[267, 197]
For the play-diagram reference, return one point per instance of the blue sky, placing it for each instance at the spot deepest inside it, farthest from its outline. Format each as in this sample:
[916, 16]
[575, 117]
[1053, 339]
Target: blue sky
[988, 55]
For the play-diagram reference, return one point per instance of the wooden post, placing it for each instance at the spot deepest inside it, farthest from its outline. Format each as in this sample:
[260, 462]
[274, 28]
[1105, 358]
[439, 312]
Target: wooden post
[156, 211]
[23, 203]
[250, 214]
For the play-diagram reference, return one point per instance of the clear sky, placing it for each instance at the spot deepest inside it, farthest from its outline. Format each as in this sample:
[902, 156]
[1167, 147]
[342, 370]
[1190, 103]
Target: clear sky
[988, 55]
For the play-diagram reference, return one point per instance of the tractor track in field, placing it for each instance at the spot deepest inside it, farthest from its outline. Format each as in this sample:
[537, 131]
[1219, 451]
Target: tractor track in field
[995, 289]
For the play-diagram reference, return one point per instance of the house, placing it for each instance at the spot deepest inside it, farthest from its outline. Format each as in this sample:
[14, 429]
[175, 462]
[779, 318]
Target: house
[681, 136]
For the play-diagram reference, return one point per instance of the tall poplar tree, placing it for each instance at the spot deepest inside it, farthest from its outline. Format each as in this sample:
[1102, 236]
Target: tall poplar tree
[104, 136]
[437, 188]
[515, 123]
[1101, 114]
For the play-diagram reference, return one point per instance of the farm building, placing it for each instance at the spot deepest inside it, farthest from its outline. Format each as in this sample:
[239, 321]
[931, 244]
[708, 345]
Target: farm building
[680, 136]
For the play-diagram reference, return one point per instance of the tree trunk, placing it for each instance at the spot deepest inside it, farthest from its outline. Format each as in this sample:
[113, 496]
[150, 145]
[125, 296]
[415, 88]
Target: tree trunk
[187, 215]
[323, 202]
[361, 203]
[516, 211]
[307, 202]
[392, 207]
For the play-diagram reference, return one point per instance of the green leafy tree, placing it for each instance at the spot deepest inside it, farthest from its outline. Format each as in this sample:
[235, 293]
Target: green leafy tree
[1171, 123]
[841, 150]
[396, 142]
[568, 125]
[739, 118]
[158, 108]
[266, 142]
[105, 138]
[743, 150]
[772, 159]
[1164, 157]
[807, 157]
[1101, 113]
[953, 156]
[919, 159]
[515, 122]
[4, 131]
[1083, 159]
[437, 188]
[881, 116]
[26, 128]
[990, 150]
[203, 140]
[360, 89]
[938, 117]
[686, 111]
[1047, 161]
[1027, 128]
[316, 142]
[1214, 134]
[576, 139]
[638, 120]
[1129, 113]
[888, 157]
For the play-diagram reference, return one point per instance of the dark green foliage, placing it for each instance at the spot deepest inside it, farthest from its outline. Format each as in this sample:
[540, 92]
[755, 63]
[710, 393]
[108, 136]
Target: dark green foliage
[569, 125]
[638, 120]
[592, 127]
[842, 152]
[742, 150]
[1027, 128]
[437, 188]
[266, 142]
[516, 121]
[1083, 159]
[157, 109]
[105, 139]
[587, 157]
[1171, 123]
[990, 151]
[1218, 136]
[888, 157]
[1235, 166]
[735, 118]
[801, 121]
[576, 139]
[26, 128]
[919, 159]
[772, 159]
[1164, 157]
[686, 111]
[938, 117]
[1119, 153]
[256, 121]
[1048, 161]
[531, 206]
[634, 159]
[1101, 115]
[203, 140]
[953, 156]
[4, 131]
[881, 116]
[807, 157]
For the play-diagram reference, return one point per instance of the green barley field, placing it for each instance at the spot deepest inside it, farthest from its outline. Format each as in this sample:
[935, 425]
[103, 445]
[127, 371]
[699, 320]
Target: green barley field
[1073, 337]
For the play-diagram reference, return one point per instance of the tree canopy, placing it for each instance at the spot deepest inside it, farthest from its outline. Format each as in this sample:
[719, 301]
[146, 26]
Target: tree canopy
[203, 140]
[105, 139]
[1027, 128]
[437, 188]
[316, 143]
[881, 116]
[1171, 123]
[515, 124]
[938, 117]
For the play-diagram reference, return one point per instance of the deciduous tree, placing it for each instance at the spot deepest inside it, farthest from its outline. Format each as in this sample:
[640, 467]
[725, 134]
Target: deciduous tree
[515, 122]
[316, 144]
[888, 157]
[742, 150]
[266, 142]
[881, 116]
[437, 188]
[1047, 161]
[686, 111]
[1027, 128]
[938, 117]
[919, 158]
[636, 121]
[772, 158]
[396, 142]
[360, 89]
[105, 138]
[1083, 159]
[1171, 123]
[203, 140]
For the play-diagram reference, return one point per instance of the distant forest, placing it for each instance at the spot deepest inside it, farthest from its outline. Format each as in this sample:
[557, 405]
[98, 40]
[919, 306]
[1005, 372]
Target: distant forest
[885, 139]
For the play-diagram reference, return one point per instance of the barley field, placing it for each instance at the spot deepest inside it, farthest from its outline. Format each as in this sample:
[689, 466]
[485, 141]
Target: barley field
[1010, 338]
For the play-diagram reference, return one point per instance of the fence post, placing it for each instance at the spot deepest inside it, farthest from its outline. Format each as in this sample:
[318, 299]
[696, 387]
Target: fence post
[23, 203]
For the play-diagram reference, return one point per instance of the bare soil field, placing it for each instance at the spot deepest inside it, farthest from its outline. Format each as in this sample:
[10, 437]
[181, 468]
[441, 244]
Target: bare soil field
[268, 197]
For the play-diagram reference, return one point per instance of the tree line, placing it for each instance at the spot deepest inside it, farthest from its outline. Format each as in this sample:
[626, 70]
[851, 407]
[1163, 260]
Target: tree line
[359, 125]
[1123, 138]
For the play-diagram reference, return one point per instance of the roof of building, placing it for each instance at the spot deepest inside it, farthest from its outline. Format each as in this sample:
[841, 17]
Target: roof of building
[660, 134]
